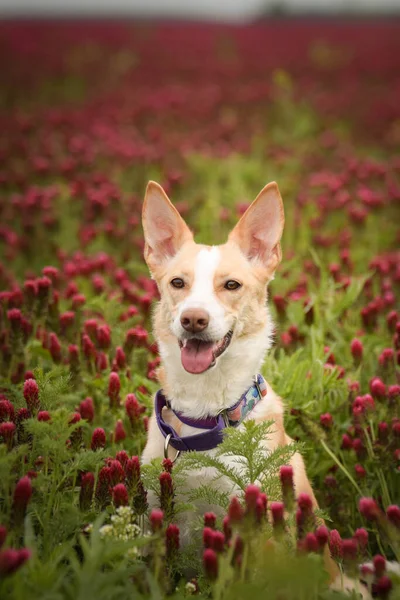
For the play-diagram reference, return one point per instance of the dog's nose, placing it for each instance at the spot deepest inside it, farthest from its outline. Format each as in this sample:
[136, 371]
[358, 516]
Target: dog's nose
[195, 320]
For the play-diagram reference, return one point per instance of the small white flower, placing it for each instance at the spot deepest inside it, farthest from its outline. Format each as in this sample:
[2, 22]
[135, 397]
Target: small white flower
[132, 552]
[106, 531]
[190, 588]
[125, 512]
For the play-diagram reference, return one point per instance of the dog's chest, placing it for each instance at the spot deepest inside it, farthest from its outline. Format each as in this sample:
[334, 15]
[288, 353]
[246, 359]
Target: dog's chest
[211, 476]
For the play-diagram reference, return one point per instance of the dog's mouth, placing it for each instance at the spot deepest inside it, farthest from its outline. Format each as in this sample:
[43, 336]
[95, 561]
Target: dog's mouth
[198, 356]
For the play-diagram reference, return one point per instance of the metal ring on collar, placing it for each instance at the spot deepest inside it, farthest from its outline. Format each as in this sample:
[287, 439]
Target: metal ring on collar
[166, 445]
[224, 414]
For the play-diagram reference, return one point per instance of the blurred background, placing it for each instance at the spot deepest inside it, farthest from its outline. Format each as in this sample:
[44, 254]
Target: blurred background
[109, 94]
[223, 10]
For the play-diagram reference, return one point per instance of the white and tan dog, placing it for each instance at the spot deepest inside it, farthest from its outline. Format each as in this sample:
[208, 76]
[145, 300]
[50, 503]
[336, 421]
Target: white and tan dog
[212, 324]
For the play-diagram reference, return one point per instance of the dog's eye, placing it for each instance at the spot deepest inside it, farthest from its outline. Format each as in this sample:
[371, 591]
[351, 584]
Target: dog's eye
[178, 283]
[232, 285]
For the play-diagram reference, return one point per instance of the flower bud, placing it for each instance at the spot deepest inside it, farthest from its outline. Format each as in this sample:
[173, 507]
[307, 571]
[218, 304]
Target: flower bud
[226, 525]
[3, 535]
[393, 514]
[356, 348]
[347, 442]
[122, 457]
[103, 488]
[349, 550]
[88, 348]
[44, 416]
[119, 432]
[310, 543]
[383, 432]
[210, 563]
[73, 354]
[55, 347]
[360, 471]
[104, 336]
[361, 537]
[7, 431]
[78, 300]
[66, 320]
[326, 420]
[368, 508]
[156, 519]
[98, 439]
[31, 394]
[235, 511]
[382, 587]
[166, 492]
[120, 495]
[132, 469]
[386, 358]
[304, 502]
[11, 560]
[133, 409]
[135, 337]
[86, 408]
[43, 294]
[21, 498]
[251, 495]
[394, 392]
[208, 536]
[114, 387]
[280, 305]
[7, 412]
[335, 544]
[377, 388]
[86, 493]
[117, 473]
[14, 316]
[30, 291]
[167, 465]
[391, 320]
[322, 535]
[379, 563]
[277, 512]
[171, 539]
[120, 358]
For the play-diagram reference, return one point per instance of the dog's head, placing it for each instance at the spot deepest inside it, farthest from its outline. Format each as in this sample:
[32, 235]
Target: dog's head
[211, 295]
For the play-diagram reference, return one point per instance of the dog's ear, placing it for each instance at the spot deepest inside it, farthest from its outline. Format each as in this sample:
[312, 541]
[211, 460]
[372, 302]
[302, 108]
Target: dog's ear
[259, 231]
[164, 229]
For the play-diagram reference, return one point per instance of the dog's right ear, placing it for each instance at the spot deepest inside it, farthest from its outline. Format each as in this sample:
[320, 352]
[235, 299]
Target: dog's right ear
[165, 231]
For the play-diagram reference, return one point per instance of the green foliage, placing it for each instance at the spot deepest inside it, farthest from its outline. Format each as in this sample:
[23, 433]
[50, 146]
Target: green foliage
[251, 464]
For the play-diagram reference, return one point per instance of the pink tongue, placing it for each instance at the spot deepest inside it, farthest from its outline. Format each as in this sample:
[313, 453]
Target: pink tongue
[197, 356]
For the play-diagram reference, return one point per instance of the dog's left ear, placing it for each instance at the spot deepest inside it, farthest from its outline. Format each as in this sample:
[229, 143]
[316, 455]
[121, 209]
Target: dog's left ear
[259, 231]
[165, 231]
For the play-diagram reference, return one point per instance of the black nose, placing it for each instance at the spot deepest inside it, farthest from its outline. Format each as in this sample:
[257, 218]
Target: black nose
[195, 320]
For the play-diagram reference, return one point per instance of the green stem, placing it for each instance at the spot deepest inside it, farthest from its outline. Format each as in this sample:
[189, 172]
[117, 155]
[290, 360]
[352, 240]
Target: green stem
[243, 566]
[341, 467]
[382, 481]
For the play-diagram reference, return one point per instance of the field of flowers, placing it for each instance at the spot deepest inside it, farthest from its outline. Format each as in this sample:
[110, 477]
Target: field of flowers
[89, 112]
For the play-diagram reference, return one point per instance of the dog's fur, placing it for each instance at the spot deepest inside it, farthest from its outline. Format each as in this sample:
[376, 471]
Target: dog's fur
[250, 257]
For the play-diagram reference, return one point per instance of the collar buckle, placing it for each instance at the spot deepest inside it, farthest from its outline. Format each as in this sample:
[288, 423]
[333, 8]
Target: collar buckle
[225, 418]
[166, 445]
[258, 387]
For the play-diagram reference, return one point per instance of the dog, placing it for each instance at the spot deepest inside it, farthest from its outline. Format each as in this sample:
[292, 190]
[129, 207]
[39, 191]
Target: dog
[213, 329]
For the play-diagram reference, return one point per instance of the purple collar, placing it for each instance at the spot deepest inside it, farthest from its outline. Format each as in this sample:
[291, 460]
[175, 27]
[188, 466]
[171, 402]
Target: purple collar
[207, 440]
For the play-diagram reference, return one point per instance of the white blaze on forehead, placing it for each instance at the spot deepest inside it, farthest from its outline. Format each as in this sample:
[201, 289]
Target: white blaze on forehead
[202, 293]
[207, 261]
